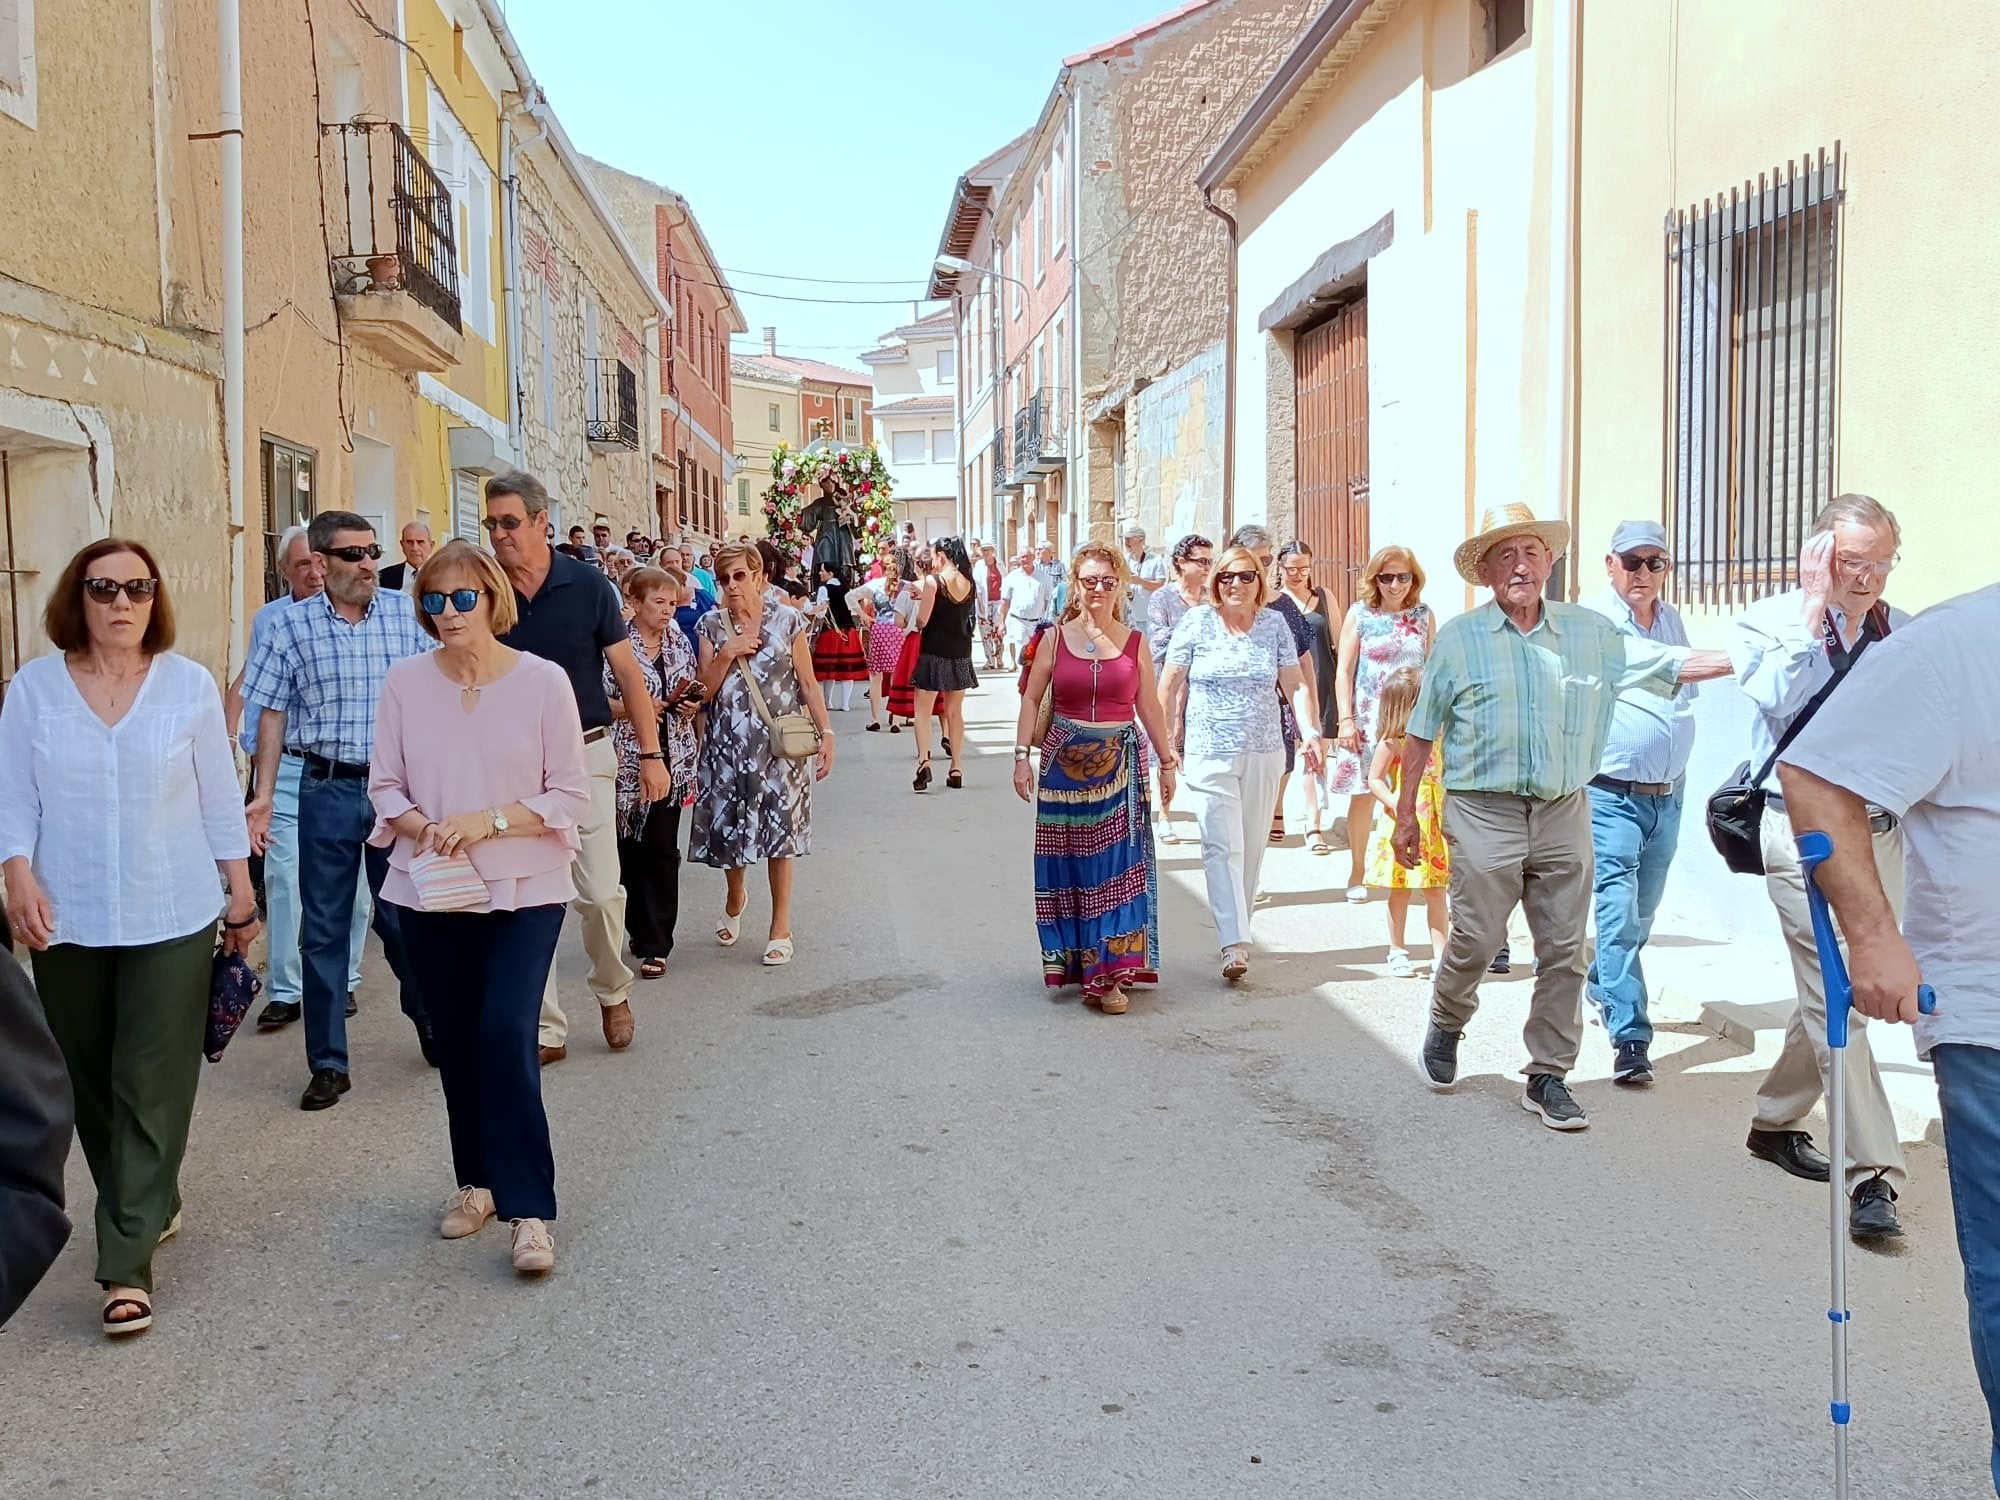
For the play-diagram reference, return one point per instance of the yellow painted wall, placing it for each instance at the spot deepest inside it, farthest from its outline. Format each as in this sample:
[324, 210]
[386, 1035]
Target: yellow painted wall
[1674, 114]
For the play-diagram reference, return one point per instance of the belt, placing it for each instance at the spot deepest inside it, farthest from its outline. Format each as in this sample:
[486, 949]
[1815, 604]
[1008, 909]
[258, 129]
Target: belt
[334, 770]
[1634, 788]
[592, 736]
[1880, 819]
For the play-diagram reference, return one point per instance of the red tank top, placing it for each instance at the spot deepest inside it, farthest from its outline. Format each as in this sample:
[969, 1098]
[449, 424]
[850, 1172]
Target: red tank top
[1102, 689]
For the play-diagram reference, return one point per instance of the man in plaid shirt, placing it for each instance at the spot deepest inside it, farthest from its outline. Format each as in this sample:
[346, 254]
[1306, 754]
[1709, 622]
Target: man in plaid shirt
[315, 682]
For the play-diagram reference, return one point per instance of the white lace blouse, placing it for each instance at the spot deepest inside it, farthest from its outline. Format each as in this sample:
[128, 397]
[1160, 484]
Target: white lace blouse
[124, 823]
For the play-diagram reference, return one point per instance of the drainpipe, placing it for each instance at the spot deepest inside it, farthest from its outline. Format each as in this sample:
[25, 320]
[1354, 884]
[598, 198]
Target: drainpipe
[1079, 441]
[1228, 372]
[1560, 459]
[229, 133]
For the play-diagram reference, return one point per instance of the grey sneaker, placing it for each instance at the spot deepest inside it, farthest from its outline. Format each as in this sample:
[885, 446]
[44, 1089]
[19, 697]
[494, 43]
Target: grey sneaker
[1439, 1056]
[1548, 1096]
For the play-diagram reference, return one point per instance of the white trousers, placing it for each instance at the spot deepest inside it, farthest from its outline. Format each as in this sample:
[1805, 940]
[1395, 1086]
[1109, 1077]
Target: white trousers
[600, 898]
[1233, 796]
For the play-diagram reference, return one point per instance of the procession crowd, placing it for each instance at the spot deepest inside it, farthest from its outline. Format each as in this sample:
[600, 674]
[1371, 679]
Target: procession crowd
[459, 749]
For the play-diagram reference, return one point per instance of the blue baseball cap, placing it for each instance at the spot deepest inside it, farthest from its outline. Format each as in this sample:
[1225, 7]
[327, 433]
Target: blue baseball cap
[1631, 534]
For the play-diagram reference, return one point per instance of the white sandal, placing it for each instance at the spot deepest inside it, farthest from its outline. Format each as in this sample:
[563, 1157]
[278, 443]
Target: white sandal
[730, 923]
[777, 951]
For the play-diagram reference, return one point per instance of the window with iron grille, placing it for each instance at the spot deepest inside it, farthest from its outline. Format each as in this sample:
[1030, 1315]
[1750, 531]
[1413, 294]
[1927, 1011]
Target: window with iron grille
[289, 480]
[1751, 366]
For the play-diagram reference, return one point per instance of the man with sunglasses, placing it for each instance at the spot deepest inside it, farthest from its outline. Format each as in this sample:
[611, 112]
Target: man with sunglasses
[571, 614]
[315, 683]
[1636, 798]
[1792, 651]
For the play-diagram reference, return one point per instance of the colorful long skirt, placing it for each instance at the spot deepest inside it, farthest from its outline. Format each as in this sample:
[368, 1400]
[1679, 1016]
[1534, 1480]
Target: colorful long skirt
[885, 644]
[902, 693]
[838, 657]
[1096, 881]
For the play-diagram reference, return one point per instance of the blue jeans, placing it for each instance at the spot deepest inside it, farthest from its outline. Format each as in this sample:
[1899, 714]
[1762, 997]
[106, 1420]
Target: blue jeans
[1633, 839]
[486, 970]
[281, 895]
[335, 817]
[1969, 1097]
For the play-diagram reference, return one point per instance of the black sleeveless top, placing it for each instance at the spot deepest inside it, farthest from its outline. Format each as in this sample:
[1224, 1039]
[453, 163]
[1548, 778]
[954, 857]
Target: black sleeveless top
[948, 632]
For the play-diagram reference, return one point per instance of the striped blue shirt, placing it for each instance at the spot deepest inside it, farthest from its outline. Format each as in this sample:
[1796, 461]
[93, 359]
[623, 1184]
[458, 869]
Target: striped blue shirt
[325, 675]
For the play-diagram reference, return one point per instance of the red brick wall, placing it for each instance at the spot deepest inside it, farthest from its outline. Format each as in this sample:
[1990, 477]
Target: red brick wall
[694, 371]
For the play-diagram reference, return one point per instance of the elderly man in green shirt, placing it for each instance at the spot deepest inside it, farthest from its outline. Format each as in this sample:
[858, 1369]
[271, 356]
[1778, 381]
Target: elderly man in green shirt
[1520, 691]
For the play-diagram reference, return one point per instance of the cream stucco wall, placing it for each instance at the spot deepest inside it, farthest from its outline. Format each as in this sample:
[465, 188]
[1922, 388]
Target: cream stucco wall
[1369, 148]
[1673, 115]
[753, 395]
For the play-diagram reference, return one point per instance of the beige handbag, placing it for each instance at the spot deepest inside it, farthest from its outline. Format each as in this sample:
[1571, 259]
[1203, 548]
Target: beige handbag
[794, 736]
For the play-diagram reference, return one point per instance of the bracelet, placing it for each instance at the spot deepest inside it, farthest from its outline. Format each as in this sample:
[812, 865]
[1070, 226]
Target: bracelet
[249, 921]
[652, 755]
[1022, 752]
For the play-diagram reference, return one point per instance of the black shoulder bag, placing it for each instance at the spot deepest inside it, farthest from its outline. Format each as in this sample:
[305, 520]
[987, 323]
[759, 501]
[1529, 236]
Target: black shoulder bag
[1736, 808]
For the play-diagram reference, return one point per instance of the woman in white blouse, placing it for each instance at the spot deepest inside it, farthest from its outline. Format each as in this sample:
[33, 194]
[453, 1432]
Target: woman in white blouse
[118, 802]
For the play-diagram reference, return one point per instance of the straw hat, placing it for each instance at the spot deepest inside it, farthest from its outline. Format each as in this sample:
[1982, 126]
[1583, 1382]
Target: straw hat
[1499, 522]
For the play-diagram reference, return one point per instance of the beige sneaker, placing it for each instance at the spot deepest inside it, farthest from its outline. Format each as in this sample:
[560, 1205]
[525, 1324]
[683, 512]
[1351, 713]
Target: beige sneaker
[534, 1249]
[466, 1212]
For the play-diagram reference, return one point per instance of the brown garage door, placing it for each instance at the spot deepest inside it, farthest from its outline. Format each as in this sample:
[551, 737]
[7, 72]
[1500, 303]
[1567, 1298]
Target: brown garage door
[1331, 370]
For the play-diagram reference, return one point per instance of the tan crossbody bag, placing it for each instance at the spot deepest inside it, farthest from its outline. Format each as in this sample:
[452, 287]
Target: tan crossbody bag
[794, 736]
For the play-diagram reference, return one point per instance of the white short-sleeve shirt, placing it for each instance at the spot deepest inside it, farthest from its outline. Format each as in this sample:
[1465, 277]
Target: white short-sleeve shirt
[1915, 729]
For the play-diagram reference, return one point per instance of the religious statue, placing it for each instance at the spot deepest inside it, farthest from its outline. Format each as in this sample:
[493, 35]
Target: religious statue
[833, 520]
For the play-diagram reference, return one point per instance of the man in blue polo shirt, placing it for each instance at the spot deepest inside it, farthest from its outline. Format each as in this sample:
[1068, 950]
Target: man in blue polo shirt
[570, 614]
[1635, 798]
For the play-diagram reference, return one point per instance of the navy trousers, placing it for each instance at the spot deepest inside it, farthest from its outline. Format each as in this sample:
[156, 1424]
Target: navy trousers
[483, 973]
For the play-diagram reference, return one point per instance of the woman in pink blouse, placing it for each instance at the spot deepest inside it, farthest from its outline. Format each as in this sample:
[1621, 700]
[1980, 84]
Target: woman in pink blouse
[479, 757]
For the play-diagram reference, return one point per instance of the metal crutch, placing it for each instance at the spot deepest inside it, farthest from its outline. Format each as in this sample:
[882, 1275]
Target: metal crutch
[1814, 849]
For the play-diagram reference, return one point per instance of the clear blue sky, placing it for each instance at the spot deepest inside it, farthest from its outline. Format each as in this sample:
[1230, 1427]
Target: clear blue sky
[814, 139]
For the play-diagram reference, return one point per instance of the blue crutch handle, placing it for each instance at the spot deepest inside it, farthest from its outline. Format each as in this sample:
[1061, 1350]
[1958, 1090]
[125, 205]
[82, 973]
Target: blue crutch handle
[1814, 850]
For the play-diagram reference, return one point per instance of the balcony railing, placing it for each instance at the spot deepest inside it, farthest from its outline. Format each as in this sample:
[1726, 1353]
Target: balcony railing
[611, 405]
[393, 231]
[1004, 477]
[1041, 434]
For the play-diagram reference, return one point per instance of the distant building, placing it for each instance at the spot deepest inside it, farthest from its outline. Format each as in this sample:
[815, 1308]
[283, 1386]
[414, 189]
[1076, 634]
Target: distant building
[916, 383]
[798, 401]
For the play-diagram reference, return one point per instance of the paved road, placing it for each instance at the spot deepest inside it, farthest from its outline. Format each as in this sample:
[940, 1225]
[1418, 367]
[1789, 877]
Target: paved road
[891, 1222]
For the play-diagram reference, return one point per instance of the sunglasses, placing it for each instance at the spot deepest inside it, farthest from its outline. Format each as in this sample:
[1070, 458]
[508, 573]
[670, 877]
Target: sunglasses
[1632, 562]
[372, 552]
[510, 523]
[1225, 579]
[1099, 581]
[106, 590]
[1393, 579]
[740, 575]
[1296, 567]
[462, 600]
[1202, 561]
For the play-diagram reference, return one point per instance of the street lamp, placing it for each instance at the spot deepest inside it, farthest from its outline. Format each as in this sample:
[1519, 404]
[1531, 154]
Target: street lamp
[958, 265]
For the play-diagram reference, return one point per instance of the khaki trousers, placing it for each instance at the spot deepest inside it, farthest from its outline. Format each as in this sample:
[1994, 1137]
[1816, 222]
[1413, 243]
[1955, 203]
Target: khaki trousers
[1508, 850]
[600, 899]
[1798, 1078]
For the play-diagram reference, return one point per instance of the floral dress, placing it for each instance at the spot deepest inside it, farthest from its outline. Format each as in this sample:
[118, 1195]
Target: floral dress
[1433, 868]
[1388, 642]
[665, 674]
[754, 804]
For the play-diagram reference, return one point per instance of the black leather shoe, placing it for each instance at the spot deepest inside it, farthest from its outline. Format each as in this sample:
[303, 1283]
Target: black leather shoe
[427, 1044]
[1873, 1214]
[277, 1013]
[1503, 963]
[1792, 1150]
[325, 1090]
[353, 1004]
[1440, 1056]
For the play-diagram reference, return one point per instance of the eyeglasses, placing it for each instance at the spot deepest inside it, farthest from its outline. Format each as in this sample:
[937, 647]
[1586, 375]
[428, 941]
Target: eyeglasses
[1203, 561]
[1226, 579]
[462, 600]
[1632, 562]
[1098, 581]
[1395, 580]
[372, 552]
[106, 590]
[1862, 567]
[1295, 568]
[739, 575]
[509, 523]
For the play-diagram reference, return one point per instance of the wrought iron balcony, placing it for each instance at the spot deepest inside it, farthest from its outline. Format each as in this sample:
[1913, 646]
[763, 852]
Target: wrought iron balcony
[611, 405]
[395, 248]
[1005, 481]
[1041, 435]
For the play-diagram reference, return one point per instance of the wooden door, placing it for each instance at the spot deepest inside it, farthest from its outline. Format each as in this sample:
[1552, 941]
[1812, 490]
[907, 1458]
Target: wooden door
[1331, 416]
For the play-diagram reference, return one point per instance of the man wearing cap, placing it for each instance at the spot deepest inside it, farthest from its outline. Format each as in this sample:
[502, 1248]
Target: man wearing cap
[1635, 798]
[1521, 692]
[1149, 575]
[987, 576]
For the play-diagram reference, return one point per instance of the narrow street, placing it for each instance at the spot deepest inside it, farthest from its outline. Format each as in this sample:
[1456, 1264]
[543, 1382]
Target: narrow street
[893, 1222]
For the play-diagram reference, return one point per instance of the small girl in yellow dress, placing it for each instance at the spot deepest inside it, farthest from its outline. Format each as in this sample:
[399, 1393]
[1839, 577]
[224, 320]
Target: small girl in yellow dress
[1432, 874]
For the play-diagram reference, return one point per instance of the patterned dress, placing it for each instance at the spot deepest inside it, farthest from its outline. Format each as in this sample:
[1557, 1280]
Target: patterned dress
[1433, 869]
[753, 804]
[665, 674]
[885, 636]
[1388, 642]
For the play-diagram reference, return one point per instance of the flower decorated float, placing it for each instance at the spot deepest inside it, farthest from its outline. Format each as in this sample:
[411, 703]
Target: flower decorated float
[833, 498]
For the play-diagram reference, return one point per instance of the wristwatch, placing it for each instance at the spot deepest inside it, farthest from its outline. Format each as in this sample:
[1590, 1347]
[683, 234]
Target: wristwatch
[498, 818]
[1022, 752]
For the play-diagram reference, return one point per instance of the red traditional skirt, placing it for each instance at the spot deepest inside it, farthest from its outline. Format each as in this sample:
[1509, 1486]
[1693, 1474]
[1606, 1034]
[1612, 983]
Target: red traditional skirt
[902, 695]
[838, 657]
